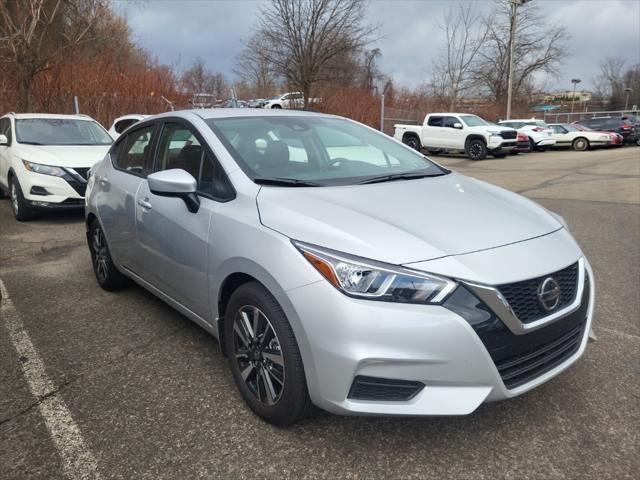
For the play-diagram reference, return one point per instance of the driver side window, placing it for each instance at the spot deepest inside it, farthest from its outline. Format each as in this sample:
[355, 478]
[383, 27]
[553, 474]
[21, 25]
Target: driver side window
[134, 154]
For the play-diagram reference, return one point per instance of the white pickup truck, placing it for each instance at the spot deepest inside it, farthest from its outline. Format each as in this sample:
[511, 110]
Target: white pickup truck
[463, 132]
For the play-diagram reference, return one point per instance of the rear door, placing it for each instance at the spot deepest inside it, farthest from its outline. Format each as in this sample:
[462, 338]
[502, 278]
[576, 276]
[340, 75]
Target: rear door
[5, 129]
[172, 241]
[432, 132]
[131, 161]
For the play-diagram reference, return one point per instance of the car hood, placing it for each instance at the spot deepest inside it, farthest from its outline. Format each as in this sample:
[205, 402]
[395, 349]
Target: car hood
[74, 156]
[492, 128]
[405, 221]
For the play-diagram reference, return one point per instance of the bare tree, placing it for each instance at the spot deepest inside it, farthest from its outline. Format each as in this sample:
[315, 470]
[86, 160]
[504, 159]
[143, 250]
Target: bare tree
[370, 71]
[301, 37]
[198, 79]
[466, 33]
[540, 49]
[35, 33]
[253, 66]
[614, 77]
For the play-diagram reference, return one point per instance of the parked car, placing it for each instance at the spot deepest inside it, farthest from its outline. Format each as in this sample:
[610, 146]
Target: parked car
[568, 135]
[294, 100]
[540, 136]
[612, 124]
[523, 145]
[462, 132]
[45, 159]
[617, 140]
[338, 267]
[256, 102]
[203, 100]
[120, 124]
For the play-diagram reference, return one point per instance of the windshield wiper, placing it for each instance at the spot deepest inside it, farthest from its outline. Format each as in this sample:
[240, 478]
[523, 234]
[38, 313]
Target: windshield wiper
[286, 182]
[399, 176]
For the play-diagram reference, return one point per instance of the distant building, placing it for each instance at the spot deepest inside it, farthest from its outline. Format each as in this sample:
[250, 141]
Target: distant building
[568, 96]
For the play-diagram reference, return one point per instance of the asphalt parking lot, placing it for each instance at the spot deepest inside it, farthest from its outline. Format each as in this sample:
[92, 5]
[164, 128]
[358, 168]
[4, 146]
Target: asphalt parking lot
[147, 394]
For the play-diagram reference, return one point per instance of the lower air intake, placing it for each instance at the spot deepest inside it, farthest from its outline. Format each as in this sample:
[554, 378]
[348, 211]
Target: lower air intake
[383, 389]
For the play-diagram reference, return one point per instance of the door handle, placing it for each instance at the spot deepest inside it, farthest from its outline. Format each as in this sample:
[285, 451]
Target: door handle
[144, 203]
[103, 181]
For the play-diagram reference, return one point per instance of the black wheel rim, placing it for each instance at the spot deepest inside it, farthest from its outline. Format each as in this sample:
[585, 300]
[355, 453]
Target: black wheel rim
[475, 150]
[413, 143]
[100, 254]
[258, 355]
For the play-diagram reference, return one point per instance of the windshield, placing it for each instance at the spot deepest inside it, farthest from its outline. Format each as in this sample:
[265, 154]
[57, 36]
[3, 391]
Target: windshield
[319, 150]
[473, 121]
[60, 131]
[570, 128]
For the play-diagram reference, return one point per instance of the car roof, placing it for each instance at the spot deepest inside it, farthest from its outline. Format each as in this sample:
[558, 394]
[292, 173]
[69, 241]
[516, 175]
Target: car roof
[23, 116]
[207, 113]
[522, 120]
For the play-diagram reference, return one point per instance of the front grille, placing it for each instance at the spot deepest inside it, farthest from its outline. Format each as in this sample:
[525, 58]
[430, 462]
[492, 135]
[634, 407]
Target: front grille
[509, 134]
[83, 172]
[383, 389]
[523, 296]
[520, 369]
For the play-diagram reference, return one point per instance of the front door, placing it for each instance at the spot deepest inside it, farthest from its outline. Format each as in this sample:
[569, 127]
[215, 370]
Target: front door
[172, 241]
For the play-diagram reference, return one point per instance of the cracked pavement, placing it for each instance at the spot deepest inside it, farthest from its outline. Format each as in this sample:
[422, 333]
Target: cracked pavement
[153, 397]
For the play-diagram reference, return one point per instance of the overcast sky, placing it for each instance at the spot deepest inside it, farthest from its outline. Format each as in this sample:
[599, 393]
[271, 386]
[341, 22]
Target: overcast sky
[179, 31]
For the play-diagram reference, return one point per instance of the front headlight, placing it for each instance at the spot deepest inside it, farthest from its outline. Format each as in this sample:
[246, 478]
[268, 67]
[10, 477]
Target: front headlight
[368, 279]
[43, 169]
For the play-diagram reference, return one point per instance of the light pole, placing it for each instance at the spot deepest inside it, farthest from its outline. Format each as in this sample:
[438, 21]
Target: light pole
[575, 82]
[512, 48]
[626, 102]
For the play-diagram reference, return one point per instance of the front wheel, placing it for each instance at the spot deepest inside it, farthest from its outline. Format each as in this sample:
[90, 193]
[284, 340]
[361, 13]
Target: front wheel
[106, 273]
[264, 357]
[276, 106]
[580, 144]
[476, 149]
[19, 207]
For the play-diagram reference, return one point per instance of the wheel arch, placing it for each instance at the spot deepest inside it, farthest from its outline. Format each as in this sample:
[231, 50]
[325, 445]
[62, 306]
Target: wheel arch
[474, 136]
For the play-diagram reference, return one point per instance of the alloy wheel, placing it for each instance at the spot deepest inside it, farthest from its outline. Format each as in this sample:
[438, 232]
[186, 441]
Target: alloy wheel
[100, 254]
[475, 151]
[258, 354]
[15, 204]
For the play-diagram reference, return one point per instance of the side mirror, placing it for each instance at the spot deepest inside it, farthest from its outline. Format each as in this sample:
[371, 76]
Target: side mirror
[457, 125]
[4, 140]
[175, 183]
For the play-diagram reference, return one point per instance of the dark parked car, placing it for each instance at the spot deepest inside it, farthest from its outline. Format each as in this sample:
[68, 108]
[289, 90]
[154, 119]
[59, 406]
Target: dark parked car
[612, 124]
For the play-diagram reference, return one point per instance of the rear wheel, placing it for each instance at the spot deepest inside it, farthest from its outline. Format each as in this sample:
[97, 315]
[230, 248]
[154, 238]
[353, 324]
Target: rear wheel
[476, 149]
[413, 142]
[19, 206]
[106, 272]
[580, 144]
[264, 357]
[276, 106]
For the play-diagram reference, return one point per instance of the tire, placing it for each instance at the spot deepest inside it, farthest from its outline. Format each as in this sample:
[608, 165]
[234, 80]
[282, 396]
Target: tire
[19, 206]
[256, 375]
[476, 149]
[413, 142]
[276, 106]
[107, 275]
[2, 194]
[532, 145]
[580, 144]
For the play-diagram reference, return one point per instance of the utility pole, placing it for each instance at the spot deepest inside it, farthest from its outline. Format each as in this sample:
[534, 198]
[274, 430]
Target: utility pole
[628, 90]
[512, 49]
[575, 82]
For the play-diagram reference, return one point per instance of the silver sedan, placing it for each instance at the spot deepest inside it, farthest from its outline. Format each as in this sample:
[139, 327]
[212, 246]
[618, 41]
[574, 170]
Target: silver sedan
[336, 266]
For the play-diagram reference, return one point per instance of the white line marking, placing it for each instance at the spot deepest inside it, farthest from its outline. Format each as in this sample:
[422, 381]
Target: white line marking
[77, 460]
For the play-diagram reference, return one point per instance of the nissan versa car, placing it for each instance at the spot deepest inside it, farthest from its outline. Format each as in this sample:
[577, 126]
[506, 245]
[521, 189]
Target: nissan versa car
[45, 158]
[337, 266]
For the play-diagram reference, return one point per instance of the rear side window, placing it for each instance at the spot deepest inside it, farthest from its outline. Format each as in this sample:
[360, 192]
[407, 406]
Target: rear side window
[133, 154]
[435, 121]
[122, 125]
[180, 148]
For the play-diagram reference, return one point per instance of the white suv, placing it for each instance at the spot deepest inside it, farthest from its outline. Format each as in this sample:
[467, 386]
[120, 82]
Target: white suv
[540, 135]
[45, 160]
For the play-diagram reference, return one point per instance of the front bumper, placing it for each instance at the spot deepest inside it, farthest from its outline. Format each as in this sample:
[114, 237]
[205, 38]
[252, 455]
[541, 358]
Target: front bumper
[52, 192]
[434, 345]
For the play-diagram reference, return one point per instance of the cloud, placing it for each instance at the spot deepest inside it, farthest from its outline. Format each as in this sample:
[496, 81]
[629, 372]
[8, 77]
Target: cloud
[179, 31]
